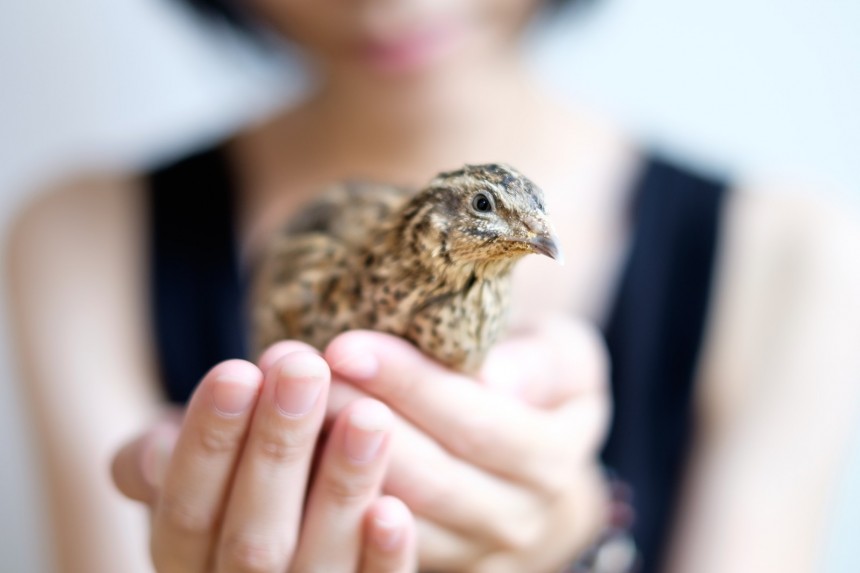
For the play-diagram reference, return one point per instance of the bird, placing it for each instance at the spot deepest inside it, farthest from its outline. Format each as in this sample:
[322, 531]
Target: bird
[432, 266]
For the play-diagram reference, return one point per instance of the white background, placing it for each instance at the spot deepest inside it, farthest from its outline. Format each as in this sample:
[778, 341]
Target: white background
[764, 88]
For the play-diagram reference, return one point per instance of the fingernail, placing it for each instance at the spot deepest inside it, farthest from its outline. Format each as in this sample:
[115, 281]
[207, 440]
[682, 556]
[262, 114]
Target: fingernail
[368, 424]
[300, 383]
[358, 366]
[388, 524]
[232, 396]
[156, 458]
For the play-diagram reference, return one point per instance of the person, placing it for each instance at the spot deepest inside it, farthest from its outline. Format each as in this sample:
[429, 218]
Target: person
[725, 318]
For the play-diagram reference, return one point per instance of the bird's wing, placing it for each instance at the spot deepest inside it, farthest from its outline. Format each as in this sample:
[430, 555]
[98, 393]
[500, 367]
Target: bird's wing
[348, 211]
[305, 286]
[297, 277]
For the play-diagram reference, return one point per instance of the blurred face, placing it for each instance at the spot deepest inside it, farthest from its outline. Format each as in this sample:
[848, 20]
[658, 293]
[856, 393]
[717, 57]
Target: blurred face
[398, 38]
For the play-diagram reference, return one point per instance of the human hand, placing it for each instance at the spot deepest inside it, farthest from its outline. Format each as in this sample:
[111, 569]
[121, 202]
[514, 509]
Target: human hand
[227, 486]
[502, 475]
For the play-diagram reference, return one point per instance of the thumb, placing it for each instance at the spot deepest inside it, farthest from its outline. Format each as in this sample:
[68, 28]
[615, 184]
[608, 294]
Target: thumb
[138, 468]
[548, 363]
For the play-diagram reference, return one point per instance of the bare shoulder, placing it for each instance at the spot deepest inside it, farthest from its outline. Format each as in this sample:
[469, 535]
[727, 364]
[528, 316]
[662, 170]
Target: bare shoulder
[788, 280]
[777, 393]
[85, 196]
[74, 266]
[75, 214]
[799, 223]
[76, 242]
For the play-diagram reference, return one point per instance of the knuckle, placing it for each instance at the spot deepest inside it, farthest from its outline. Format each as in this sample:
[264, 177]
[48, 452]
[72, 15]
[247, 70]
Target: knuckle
[432, 496]
[400, 389]
[215, 439]
[594, 349]
[584, 350]
[184, 517]
[346, 490]
[314, 568]
[517, 535]
[252, 554]
[164, 563]
[494, 563]
[475, 437]
[553, 479]
[552, 471]
[283, 447]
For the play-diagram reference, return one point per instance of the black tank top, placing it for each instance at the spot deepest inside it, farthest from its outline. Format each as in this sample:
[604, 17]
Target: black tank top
[654, 330]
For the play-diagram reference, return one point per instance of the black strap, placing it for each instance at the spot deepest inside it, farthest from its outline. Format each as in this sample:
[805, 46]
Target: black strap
[654, 336]
[195, 282]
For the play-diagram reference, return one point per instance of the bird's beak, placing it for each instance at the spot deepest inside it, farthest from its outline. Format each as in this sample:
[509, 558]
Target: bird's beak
[547, 244]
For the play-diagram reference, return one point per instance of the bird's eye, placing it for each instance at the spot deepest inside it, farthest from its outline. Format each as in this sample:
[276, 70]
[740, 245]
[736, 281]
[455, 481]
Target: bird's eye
[481, 203]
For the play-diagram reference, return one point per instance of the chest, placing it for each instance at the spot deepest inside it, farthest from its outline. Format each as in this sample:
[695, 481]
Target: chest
[456, 322]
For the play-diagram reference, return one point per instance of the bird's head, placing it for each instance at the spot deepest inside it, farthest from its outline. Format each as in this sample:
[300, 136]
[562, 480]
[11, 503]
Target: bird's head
[482, 213]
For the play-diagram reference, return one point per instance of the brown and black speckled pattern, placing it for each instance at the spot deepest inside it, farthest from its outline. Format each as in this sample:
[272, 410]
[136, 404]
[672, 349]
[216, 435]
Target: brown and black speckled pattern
[425, 266]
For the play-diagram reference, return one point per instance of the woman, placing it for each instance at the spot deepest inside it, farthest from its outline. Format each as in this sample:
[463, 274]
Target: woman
[496, 474]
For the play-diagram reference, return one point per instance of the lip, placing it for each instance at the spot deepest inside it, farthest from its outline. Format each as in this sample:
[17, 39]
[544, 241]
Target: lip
[411, 49]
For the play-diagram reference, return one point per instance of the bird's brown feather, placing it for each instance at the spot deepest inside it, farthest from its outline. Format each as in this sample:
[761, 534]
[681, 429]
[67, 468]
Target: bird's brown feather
[427, 266]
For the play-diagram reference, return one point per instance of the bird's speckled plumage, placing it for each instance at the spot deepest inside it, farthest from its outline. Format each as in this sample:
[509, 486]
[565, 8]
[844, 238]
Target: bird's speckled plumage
[433, 267]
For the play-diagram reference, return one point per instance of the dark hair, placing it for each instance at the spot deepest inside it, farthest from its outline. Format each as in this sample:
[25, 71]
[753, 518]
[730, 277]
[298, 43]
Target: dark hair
[223, 12]
[232, 13]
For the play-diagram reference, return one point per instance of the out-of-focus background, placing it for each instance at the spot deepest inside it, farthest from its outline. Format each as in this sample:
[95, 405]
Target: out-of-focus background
[769, 89]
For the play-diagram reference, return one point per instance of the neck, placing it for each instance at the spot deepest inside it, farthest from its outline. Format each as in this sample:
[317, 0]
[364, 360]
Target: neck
[441, 120]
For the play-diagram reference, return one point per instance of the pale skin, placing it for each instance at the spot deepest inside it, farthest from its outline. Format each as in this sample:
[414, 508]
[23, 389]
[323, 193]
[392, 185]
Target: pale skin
[773, 408]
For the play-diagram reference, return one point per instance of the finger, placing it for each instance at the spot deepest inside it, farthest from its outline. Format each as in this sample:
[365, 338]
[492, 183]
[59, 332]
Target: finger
[348, 480]
[280, 349]
[454, 494]
[261, 524]
[389, 538]
[441, 549]
[342, 394]
[479, 425]
[138, 468]
[548, 363]
[199, 472]
[559, 364]
[456, 499]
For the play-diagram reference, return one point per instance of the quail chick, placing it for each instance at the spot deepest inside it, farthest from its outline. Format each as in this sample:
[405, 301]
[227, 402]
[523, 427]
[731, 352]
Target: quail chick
[433, 267]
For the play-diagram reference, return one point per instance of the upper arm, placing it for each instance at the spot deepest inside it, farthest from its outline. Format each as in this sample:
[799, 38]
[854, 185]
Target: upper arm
[778, 394]
[76, 279]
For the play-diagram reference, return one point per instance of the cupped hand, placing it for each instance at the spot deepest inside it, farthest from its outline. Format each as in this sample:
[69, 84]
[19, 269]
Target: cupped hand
[500, 472]
[231, 487]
